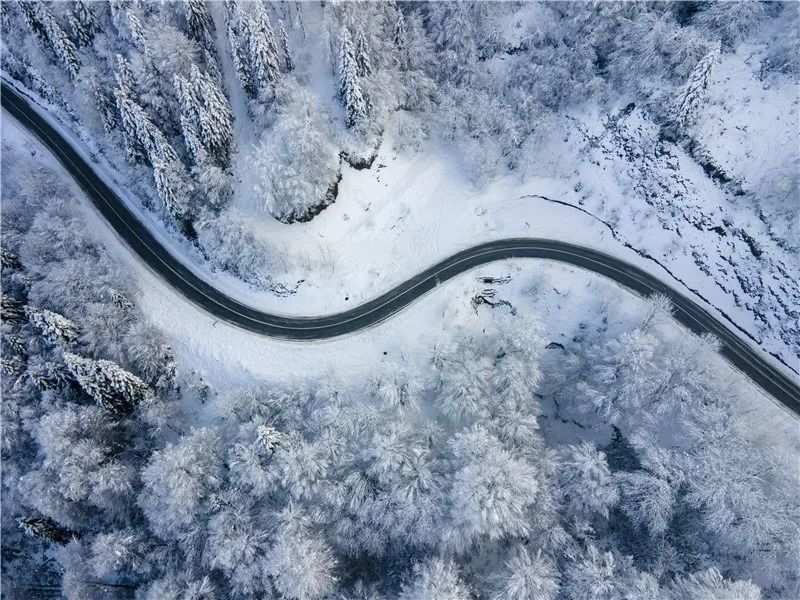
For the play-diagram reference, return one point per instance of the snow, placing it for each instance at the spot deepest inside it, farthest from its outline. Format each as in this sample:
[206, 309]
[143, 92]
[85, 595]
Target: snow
[412, 209]
[565, 299]
[749, 125]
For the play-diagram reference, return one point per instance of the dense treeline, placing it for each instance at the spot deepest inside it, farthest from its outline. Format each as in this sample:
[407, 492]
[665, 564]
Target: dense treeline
[200, 94]
[434, 481]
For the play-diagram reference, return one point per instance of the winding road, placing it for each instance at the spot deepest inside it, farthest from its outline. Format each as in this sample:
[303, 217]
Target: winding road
[135, 234]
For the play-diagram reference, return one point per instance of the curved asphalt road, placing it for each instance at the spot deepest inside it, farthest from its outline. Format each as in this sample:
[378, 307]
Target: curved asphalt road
[136, 235]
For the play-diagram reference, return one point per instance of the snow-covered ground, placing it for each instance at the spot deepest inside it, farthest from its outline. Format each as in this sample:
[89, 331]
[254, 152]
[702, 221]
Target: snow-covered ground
[567, 301]
[619, 188]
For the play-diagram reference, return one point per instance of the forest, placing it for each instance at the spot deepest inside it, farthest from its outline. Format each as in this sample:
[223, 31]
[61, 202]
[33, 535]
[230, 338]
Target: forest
[444, 481]
[126, 475]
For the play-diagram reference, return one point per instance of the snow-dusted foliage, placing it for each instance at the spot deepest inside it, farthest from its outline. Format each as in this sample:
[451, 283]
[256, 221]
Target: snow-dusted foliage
[691, 96]
[53, 326]
[296, 161]
[349, 85]
[110, 385]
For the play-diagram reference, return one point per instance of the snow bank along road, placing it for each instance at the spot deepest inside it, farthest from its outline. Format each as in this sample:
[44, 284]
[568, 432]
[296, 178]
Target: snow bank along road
[743, 356]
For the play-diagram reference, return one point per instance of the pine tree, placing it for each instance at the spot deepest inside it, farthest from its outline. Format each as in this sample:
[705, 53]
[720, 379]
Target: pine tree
[47, 375]
[9, 260]
[82, 23]
[59, 42]
[399, 31]
[47, 529]
[105, 105]
[349, 86]
[201, 26]
[11, 310]
[53, 326]
[206, 116]
[399, 37]
[363, 63]
[239, 47]
[141, 135]
[29, 14]
[526, 576]
[692, 95]
[172, 186]
[111, 386]
[263, 50]
[137, 31]
[127, 110]
[287, 55]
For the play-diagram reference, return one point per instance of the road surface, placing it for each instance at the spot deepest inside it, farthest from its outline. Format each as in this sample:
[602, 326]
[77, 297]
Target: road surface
[127, 225]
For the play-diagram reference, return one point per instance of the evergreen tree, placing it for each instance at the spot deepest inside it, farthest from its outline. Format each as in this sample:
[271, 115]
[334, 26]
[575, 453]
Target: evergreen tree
[11, 310]
[586, 481]
[349, 86]
[31, 17]
[399, 37]
[172, 186]
[263, 50]
[141, 134]
[691, 96]
[53, 326]
[47, 529]
[239, 47]
[288, 63]
[206, 116]
[137, 31]
[201, 26]
[363, 63]
[9, 260]
[44, 24]
[82, 23]
[711, 585]
[105, 105]
[111, 386]
[438, 578]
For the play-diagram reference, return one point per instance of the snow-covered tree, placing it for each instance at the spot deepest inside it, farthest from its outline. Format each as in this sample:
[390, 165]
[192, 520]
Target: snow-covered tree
[206, 116]
[296, 160]
[363, 62]
[490, 492]
[42, 21]
[240, 62]
[82, 23]
[711, 585]
[137, 31]
[201, 26]
[400, 39]
[111, 386]
[173, 186]
[647, 500]
[598, 575]
[438, 578]
[105, 104]
[452, 27]
[691, 96]
[47, 529]
[586, 481]
[263, 51]
[288, 63]
[349, 86]
[526, 576]
[53, 326]
[13, 311]
[180, 482]
[302, 567]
